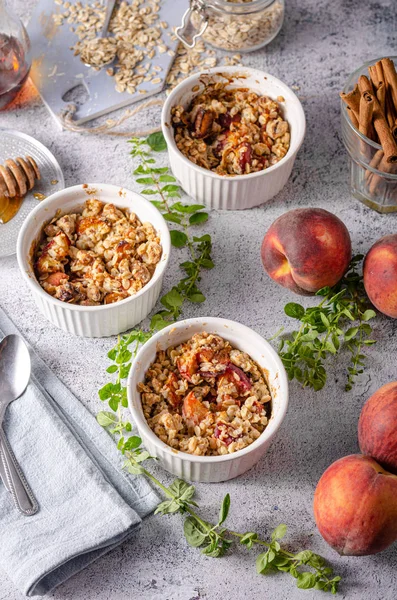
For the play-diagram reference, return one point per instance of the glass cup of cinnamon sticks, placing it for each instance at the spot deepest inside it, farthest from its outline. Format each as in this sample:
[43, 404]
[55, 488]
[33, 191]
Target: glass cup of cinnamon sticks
[369, 132]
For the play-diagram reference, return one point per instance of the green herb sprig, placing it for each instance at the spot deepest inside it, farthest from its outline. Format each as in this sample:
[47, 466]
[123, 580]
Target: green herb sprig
[214, 539]
[340, 320]
[163, 184]
[185, 216]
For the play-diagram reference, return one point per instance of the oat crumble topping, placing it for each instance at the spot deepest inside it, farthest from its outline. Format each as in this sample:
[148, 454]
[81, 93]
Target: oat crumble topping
[205, 397]
[101, 256]
[231, 131]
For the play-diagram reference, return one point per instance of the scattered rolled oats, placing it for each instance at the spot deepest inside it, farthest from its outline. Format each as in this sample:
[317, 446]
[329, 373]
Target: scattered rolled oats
[205, 397]
[136, 34]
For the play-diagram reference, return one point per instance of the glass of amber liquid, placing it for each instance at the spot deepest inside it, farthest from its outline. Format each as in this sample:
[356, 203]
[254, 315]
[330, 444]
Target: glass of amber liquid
[15, 58]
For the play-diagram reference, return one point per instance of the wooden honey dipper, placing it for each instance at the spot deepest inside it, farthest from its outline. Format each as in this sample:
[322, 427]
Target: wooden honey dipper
[18, 176]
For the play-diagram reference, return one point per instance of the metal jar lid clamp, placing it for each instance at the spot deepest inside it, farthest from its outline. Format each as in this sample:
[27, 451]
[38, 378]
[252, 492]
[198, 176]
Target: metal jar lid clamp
[199, 7]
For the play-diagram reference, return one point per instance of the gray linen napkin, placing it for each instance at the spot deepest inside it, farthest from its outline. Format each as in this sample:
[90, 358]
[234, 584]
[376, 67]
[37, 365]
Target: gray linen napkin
[88, 505]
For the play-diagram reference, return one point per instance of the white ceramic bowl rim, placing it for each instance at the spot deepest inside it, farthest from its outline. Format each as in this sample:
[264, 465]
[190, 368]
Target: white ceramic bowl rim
[168, 129]
[23, 261]
[274, 423]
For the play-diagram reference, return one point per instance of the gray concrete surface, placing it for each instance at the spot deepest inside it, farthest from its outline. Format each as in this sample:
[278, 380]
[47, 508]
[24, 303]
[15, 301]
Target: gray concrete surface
[321, 42]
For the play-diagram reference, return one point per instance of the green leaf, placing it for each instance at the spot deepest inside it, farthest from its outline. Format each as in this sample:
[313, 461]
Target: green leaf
[167, 507]
[198, 218]
[106, 418]
[134, 469]
[279, 532]
[281, 561]
[182, 490]
[271, 555]
[316, 560]
[114, 403]
[146, 180]
[112, 353]
[351, 333]
[207, 263]
[106, 391]
[149, 192]
[124, 370]
[369, 314]
[141, 170]
[324, 319]
[166, 178]
[224, 511]
[304, 556]
[194, 535]
[157, 141]
[261, 563]
[324, 291]
[329, 345]
[111, 369]
[158, 322]
[187, 208]
[294, 310]
[171, 217]
[158, 204]
[248, 539]
[306, 580]
[178, 238]
[132, 442]
[309, 336]
[196, 297]
[170, 188]
[172, 300]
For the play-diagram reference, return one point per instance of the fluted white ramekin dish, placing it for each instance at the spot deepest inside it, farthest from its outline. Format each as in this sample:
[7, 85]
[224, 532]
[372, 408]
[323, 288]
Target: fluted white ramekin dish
[92, 321]
[238, 191]
[210, 468]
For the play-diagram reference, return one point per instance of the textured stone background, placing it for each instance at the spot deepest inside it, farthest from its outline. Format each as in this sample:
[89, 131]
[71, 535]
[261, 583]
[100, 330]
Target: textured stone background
[320, 44]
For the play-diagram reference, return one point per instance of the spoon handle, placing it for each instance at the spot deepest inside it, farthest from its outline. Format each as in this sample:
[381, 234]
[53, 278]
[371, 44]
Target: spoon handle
[21, 493]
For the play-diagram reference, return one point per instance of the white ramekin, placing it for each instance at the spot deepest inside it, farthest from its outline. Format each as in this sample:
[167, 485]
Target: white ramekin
[239, 191]
[92, 321]
[210, 468]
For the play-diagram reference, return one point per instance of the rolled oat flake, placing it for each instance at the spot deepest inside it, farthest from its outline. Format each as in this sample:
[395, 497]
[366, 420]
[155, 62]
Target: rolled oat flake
[243, 25]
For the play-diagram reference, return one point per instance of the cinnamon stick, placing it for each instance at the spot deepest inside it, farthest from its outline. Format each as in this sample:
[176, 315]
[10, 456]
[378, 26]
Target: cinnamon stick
[386, 138]
[391, 113]
[379, 71]
[377, 157]
[377, 182]
[352, 99]
[373, 76]
[366, 112]
[364, 85]
[381, 96]
[391, 77]
[352, 116]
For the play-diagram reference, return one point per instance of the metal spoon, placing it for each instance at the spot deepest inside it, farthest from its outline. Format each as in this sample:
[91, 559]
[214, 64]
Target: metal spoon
[14, 378]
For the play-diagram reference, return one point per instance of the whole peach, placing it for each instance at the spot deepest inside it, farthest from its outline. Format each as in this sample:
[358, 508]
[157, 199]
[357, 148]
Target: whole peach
[306, 249]
[355, 506]
[380, 275]
[377, 427]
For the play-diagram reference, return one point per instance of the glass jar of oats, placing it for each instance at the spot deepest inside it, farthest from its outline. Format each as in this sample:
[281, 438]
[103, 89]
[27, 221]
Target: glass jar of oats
[234, 25]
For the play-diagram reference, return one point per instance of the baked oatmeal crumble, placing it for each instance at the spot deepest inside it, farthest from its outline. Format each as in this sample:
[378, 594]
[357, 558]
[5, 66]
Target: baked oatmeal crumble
[101, 256]
[231, 131]
[205, 397]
